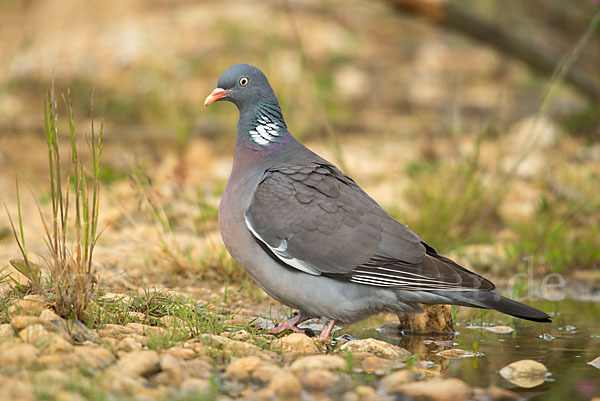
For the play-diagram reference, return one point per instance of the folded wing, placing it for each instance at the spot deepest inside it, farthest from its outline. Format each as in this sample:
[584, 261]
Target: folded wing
[313, 218]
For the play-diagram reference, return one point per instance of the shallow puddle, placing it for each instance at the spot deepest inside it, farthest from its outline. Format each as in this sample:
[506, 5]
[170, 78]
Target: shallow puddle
[565, 347]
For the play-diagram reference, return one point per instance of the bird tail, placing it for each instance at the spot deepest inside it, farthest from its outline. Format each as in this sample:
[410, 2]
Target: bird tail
[490, 300]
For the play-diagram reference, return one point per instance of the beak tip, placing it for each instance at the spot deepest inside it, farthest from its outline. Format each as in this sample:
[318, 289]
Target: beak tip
[215, 95]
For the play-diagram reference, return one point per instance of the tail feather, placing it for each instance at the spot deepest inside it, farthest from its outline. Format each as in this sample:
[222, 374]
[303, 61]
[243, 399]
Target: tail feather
[490, 300]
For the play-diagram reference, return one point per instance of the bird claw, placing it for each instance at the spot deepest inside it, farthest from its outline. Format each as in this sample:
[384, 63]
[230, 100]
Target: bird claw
[291, 324]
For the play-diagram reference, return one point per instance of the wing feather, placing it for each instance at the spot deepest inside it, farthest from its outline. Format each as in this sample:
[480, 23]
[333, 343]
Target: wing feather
[313, 218]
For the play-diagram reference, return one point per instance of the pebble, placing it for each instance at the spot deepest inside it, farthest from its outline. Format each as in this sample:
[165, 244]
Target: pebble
[373, 364]
[240, 369]
[58, 360]
[193, 385]
[318, 379]
[285, 386]
[19, 322]
[322, 362]
[456, 353]
[6, 332]
[15, 389]
[296, 343]
[94, 358]
[235, 347]
[376, 347]
[181, 352]
[64, 395]
[366, 393]
[15, 356]
[33, 333]
[265, 371]
[494, 393]
[141, 363]
[444, 390]
[31, 305]
[55, 343]
[434, 319]
[116, 382]
[129, 344]
[114, 331]
[500, 329]
[393, 382]
[525, 373]
[169, 362]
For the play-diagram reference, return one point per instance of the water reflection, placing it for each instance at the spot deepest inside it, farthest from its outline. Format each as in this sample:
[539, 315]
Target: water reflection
[565, 347]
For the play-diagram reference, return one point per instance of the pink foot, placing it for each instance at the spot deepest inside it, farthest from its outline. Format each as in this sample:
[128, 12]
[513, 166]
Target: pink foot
[326, 332]
[291, 324]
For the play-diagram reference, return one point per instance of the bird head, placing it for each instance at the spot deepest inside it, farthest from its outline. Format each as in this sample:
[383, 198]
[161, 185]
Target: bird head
[241, 84]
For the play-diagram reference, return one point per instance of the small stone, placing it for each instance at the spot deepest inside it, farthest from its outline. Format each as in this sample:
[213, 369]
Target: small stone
[140, 363]
[194, 385]
[494, 393]
[393, 382]
[136, 316]
[80, 333]
[240, 369]
[181, 353]
[172, 322]
[94, 358]
[375, 364]
[168, 362]
[31, 305]
[16, 356]
[322, 362]
[143, 329]
[58, 360]
[115, 381]
[34, 333]
[198, 368]
[433, 390]
[500, 329]
[15, 389]
[55, 343]
[525, 373]
[19, 322]
[366, 393]
[435, 319]
[114, 331]
[235, 347]
[129, 344]
[6, 332]
[456, 353]
[49, 315]
[376, 347]
[285, 386]
[241, 335]
[64, 395]
[265, 371]
[213, 340]
[318, 379]
[296, 343]
[52, 377]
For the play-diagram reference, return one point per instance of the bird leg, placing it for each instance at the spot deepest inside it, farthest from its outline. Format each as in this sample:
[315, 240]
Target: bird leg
[327, 329]
[291, 324]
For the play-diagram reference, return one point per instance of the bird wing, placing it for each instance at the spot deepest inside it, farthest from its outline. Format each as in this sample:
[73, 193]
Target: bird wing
[312, 217]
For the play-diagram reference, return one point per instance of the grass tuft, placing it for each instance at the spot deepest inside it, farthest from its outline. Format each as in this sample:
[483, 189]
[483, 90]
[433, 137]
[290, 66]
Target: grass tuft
[66, 280]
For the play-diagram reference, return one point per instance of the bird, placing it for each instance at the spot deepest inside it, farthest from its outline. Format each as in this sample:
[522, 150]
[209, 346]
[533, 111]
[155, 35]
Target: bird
[313, 240]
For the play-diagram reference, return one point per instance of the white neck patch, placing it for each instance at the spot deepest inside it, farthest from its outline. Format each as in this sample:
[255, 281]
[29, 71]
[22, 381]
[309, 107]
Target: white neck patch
[266, 131]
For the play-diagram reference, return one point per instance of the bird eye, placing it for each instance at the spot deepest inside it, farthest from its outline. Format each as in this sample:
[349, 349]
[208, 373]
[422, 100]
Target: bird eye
[244, 81]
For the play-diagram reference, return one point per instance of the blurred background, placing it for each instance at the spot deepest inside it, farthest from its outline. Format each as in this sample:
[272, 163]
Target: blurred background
[474, 122]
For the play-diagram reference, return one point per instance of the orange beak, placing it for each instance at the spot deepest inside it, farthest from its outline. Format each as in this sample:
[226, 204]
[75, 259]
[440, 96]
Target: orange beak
[215, 95]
